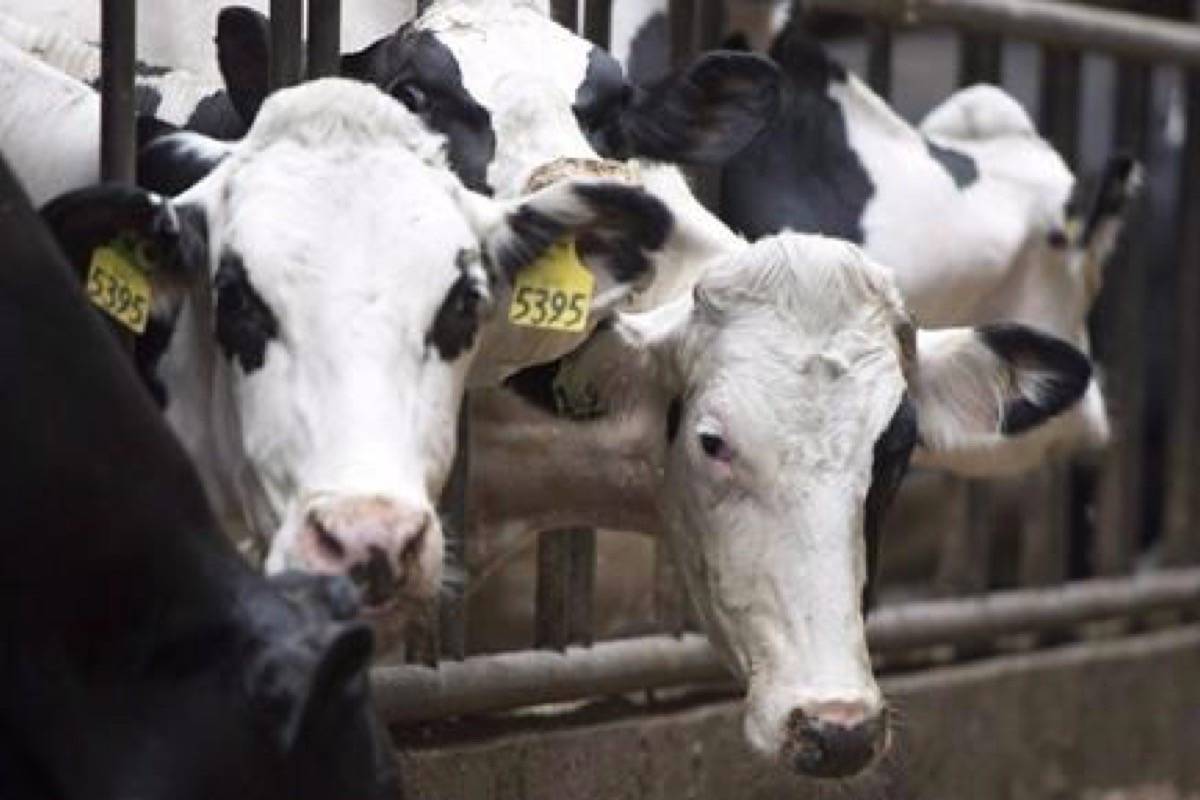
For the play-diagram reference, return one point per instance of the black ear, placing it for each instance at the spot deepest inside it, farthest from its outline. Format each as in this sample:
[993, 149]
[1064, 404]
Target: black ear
[171, 162]
[170, 240]
[244, 57]
[292, 679]
[703, 113]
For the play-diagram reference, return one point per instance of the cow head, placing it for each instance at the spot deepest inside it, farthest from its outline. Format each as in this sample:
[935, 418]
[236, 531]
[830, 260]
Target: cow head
[513, 91]
[790, 389]
[318, 300]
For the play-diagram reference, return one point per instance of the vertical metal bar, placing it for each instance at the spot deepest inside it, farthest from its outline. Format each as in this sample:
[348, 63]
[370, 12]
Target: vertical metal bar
[565, 580]
[1121, 348]
[287, 20]
[565, 13]
[324, 37]
[452, 609]
[118, 148]
[964, 561]
[1182, 513]
[979, 59]
[670, 604]
[1045, 528]
[681, 19]
[879, 58]
[597, 22]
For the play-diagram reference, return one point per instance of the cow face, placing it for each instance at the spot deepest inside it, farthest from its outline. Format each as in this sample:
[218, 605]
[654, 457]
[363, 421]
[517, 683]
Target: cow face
[513, 91]
[335, 277]
[791, 389]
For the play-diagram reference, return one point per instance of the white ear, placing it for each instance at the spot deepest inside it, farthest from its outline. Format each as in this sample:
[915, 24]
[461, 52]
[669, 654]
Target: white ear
[986, 397]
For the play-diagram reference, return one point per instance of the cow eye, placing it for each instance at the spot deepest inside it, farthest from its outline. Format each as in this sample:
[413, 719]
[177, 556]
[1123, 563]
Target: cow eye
[715, 447]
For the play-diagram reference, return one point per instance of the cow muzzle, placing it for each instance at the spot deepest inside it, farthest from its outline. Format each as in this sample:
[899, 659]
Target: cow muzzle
[391, 551]
[834, 739]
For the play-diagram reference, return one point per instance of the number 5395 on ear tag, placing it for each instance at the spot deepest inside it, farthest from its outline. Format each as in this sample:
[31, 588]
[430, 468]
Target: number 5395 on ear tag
[120, 288]
[554, 292]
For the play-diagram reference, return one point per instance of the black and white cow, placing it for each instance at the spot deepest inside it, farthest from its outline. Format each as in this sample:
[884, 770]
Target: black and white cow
[139, 655]
[971, 209]
[318, 299]
[762, 422]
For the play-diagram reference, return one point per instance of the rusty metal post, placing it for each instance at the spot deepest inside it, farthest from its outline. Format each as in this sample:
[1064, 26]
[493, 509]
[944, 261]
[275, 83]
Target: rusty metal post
[597, 22]
[118, 43]
[324, 37]
[1182, 513]
[980, 59]
[879, 58]
[287, 21]
[1121, 347]
[452, 609]
[566, 561]
[565, 13]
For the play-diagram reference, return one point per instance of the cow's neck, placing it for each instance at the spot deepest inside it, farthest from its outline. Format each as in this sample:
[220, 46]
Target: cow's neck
[531, 471]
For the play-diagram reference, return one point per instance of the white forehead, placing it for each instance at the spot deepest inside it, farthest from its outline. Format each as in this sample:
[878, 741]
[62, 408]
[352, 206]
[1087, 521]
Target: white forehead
[338, 186]
[494, 40]
[798, 336]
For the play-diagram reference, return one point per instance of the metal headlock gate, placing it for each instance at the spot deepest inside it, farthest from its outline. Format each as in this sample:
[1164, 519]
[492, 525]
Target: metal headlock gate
[568, 665]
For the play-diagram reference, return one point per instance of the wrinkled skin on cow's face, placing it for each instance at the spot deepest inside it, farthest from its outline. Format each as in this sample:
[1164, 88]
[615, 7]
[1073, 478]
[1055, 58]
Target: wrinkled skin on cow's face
[789, 388]
[337, 276]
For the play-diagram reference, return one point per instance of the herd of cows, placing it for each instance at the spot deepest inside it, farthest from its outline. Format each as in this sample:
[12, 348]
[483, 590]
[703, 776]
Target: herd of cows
[328, 268]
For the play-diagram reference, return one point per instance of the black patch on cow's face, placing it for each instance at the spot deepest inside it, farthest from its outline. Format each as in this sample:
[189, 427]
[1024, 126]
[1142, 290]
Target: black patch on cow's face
[245, 324]
[457, 319]
[960, 166]
[1063, 373]
[674, 414]
[428, 81]
[532, 233]
[800, 173]
[168, 164]
[892, 451]
[630, 223]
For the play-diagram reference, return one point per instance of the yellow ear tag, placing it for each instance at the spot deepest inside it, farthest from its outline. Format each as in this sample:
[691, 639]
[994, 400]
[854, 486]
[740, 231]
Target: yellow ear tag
[118, 286]
[553, 293]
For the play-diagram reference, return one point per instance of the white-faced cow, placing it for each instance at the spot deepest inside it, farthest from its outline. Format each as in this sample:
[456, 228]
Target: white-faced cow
[763, 422]
[971, 209]
[317, 301]
[141, 657]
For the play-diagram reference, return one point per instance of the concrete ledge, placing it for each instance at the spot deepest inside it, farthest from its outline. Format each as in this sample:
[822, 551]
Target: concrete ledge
[1085, 721]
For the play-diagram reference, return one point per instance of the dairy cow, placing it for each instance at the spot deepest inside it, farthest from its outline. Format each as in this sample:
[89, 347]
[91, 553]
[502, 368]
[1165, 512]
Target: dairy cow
[318, 298]
[972, 209]
[139, 655]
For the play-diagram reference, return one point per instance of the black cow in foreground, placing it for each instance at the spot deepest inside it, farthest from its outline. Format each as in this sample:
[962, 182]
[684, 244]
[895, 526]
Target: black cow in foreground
[139, 656]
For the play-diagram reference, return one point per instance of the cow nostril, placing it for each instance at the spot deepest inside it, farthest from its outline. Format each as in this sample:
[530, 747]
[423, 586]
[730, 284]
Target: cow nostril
[327, 543]
[375, 577]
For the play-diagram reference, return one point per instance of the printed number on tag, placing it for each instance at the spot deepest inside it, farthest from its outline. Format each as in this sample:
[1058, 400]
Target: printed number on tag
[117, 286]
[554, 292]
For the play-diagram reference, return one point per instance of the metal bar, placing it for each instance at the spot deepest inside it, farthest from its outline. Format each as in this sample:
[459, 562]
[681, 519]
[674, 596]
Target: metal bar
[118, 42]
[1182, 513]
[565, 13]
[492, 683]
[964, 557]
[452, 608]
[879, 58]
[565, 585]
[670, 603]
[681, 19]
[1121, 347]
[287, 21]
[324, 37]
[980, 59]
[1061, 25]
[1059, 101]
[597, 22]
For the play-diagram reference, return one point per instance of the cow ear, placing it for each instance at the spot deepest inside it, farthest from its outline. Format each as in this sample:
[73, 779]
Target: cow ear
[244, 57]
[172, 161]
[615, 228]
[703, 113]
[291, 679]
[981, 393]
[1097, 213]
